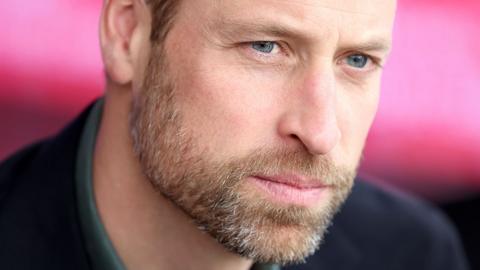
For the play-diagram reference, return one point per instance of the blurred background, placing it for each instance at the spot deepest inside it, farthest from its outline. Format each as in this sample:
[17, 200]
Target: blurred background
[425, 140]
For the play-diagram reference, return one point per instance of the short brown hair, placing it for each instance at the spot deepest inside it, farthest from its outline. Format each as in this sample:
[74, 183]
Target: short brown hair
[163, 13]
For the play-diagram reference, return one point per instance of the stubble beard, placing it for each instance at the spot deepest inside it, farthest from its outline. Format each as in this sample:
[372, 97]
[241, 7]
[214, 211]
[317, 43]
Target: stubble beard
[215, 194]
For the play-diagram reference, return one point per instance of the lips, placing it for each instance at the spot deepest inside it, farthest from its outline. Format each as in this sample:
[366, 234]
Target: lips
[293, 180]
[291, 189]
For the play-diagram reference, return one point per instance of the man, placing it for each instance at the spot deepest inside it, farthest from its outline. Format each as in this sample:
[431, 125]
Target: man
[228, 137]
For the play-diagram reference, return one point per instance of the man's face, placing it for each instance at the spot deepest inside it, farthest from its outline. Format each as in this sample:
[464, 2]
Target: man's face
[252, 116]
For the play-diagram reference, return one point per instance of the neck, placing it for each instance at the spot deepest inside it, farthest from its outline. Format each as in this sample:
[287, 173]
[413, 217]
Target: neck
[146, 229]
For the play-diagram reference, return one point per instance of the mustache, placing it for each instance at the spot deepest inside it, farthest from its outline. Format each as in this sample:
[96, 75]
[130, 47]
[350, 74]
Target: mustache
[300, 162]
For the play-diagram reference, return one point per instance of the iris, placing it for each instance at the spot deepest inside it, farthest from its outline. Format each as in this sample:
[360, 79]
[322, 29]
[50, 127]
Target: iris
[263, 46]
[357, 60]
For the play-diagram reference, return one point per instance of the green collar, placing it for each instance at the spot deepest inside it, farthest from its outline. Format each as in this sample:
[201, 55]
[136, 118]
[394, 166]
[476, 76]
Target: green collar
[100, 250]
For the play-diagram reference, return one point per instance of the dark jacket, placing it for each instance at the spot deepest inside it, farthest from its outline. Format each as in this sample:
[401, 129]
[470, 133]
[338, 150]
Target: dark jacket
[39, 223]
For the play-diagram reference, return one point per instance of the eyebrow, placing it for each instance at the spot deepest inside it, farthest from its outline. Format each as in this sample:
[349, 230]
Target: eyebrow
[375, 44]
[232, 29]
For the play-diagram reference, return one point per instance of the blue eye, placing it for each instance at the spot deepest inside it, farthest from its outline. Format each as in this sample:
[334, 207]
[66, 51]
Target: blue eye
[357, 60]
[264, 46]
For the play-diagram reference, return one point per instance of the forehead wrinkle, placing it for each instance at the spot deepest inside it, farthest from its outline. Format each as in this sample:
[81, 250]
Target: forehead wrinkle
[309, 5]
[278, 19]
[272, 19]
[284, 19]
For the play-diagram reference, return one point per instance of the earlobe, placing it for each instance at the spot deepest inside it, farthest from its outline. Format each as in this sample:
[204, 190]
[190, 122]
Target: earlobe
[118, 23]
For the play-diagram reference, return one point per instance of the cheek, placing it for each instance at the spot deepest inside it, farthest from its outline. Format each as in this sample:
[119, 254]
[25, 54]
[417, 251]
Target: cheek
[356, 113]
[229, 107]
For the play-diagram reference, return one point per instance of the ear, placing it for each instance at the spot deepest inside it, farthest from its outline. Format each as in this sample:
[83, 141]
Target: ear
[124, 31]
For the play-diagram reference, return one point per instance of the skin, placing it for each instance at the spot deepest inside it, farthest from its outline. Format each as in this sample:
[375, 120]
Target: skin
[303, 96]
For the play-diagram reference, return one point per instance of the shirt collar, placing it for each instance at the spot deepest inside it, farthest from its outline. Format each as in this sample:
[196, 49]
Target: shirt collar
[100, 249]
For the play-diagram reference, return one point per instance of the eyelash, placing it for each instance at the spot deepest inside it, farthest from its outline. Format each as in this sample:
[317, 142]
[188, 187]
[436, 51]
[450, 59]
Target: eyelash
[374, 60]
[265, 56]
[371, 60]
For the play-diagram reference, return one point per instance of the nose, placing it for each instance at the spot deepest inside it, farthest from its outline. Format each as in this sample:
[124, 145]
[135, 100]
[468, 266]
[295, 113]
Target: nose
[311, 117]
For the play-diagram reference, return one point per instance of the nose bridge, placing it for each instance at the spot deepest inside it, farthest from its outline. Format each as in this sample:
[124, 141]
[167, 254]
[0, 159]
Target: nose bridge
[314, 122]
[318, 89]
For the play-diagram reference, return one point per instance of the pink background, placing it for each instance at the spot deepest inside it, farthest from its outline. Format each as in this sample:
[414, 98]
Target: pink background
[426, 137]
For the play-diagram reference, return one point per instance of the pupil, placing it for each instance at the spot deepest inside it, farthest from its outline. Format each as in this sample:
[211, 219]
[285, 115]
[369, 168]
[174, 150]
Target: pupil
[263, 46]
[358, 61]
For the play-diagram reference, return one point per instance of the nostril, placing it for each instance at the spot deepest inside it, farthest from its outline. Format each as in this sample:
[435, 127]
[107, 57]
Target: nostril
[298, 140]
[295, 137]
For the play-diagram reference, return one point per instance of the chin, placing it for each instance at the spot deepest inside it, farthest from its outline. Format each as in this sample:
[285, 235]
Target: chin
[282, 245]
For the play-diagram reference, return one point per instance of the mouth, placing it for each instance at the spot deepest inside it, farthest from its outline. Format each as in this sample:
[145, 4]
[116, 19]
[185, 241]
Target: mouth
[292, 189]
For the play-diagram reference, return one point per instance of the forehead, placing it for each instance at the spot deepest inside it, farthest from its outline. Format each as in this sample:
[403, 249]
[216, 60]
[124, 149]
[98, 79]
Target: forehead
[315, 19]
